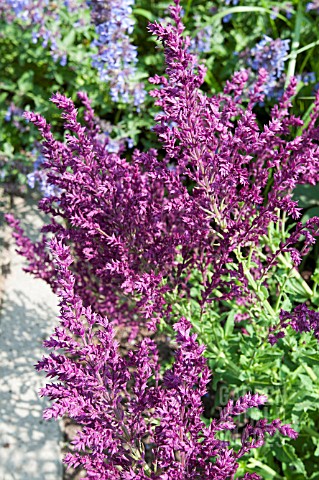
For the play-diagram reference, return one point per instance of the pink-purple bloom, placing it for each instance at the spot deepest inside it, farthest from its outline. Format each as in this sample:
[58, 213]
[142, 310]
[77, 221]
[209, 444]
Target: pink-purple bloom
[301, 319]
[127, 220]
[125, 407]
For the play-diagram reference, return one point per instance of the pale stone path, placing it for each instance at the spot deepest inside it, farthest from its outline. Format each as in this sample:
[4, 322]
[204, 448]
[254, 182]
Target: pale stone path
[29, 447]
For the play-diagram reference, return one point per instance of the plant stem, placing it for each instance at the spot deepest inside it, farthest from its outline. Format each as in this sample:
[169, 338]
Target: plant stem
[283, 225]
[303, 49]
[295, 44]
[253, 284]
[250, 256]
[296, 274]
[188, 8]
[268, 307]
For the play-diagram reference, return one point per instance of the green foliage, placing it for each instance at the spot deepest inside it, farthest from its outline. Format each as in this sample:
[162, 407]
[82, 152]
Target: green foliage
[241, 358]
[29, 76]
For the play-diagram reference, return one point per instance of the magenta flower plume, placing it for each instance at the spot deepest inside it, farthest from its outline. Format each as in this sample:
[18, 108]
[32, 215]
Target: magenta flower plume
[133, 423]
[137, 228]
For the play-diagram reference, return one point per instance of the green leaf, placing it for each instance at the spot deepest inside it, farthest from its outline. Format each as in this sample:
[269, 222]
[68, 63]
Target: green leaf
[255, 414]
[310, 359]
[25, 82]
[286, 453]
[310, 213]
[310, 372]
[144, 13]
[305, 406]
[3, 96]
[264, 292]
[253, 462]
[59, 78]
[68, 40]
[230, 323]
[286, 304]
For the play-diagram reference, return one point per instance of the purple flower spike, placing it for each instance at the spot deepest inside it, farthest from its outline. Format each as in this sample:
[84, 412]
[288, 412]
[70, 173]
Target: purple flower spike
[124, 408]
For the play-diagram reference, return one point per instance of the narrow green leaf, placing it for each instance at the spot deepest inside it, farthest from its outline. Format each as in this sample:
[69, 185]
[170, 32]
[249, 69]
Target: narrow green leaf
[243, 9]
[144, 13]
[230, 323]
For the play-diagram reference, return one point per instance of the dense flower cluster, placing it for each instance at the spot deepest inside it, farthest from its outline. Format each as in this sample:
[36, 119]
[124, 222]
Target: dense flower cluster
[137, 228]
[38, 15]
[135, 423]
[270, 54]
[117, 56]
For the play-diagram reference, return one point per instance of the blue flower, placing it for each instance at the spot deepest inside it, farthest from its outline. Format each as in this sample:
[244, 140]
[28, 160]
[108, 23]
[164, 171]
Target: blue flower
[312, 6]
[271, 55]
[130, 142]
[40, 178]
[201, 43]
[63, 60]
[117, 57]
[8, 115]
[31, 179]
[307, 78]
[228, 17]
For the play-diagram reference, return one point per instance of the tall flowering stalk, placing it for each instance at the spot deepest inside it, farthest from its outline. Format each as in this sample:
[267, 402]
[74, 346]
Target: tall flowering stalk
[128, 232]
[136, 424]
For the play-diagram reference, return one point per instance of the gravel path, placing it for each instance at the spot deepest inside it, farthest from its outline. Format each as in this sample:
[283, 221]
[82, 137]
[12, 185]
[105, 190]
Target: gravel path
[30, 449]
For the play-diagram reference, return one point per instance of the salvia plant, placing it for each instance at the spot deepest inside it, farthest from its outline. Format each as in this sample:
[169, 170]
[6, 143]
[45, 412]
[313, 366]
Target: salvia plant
[204, 225]
[207, 204]
[137, 424]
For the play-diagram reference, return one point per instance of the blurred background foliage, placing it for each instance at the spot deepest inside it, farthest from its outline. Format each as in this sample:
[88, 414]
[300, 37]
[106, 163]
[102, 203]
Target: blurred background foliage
[225, 34]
